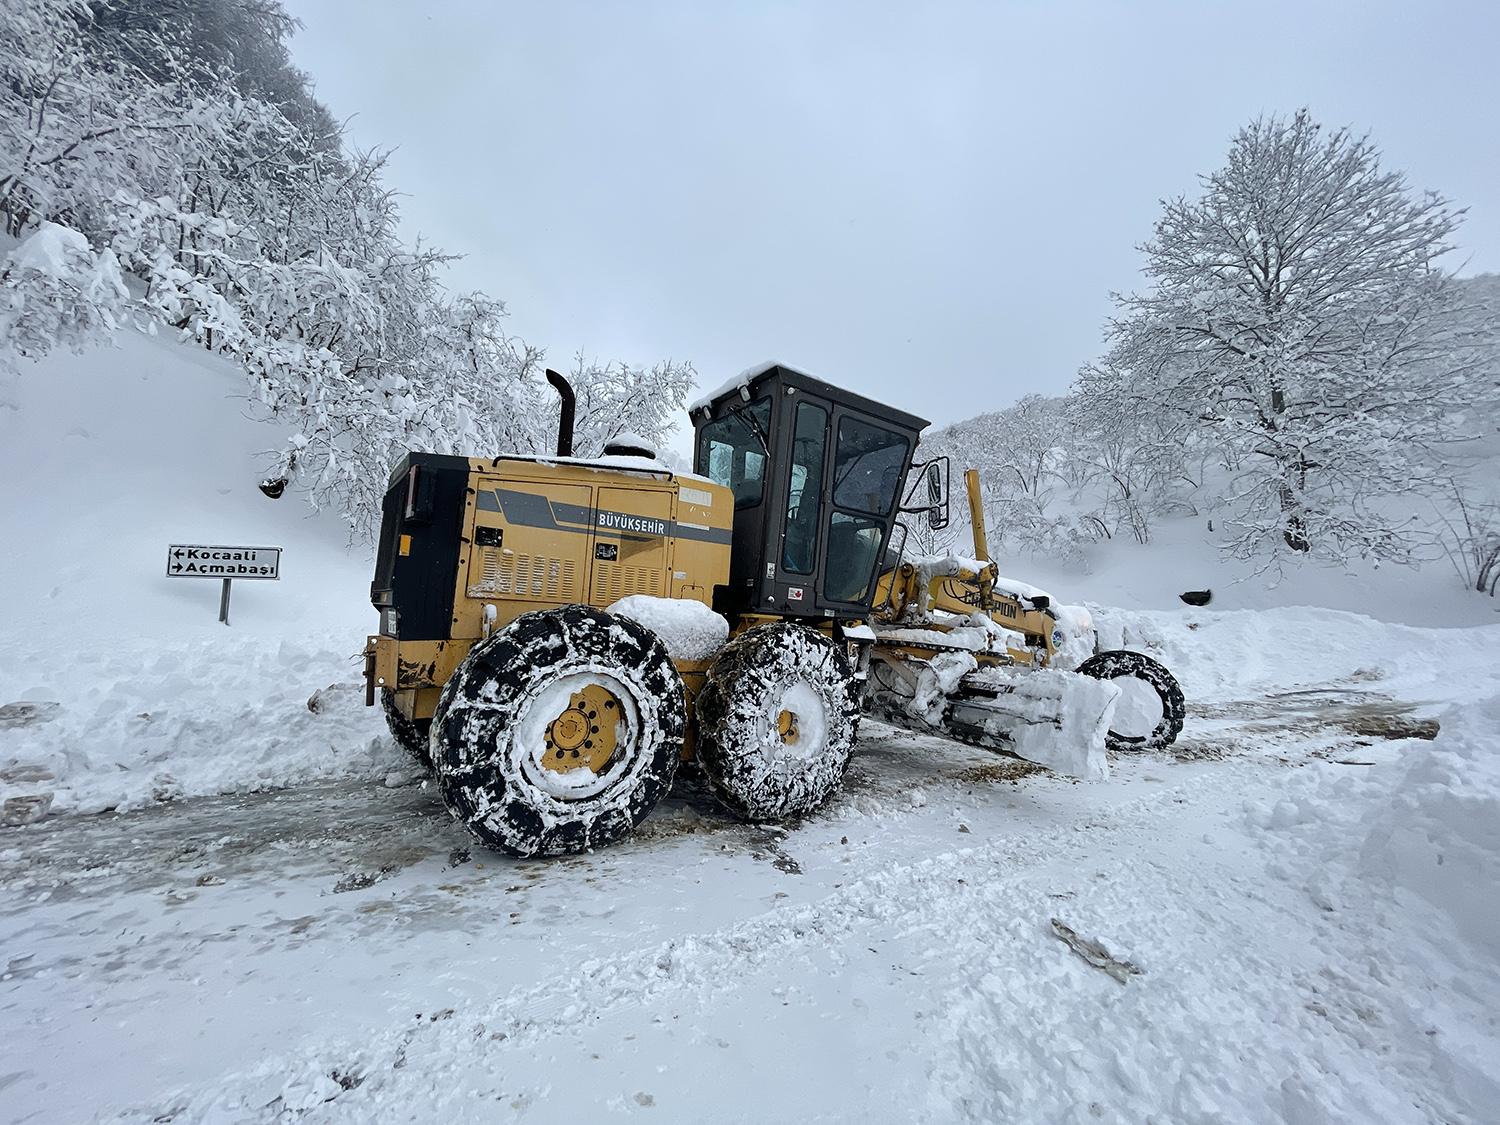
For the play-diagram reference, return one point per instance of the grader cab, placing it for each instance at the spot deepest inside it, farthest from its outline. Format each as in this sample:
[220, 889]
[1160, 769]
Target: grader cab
[558, 634]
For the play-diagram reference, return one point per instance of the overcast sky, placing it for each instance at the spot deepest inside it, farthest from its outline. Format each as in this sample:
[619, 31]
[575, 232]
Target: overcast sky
[928, 203]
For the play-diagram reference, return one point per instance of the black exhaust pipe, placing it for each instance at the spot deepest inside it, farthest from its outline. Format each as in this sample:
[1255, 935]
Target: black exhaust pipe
[565, 422]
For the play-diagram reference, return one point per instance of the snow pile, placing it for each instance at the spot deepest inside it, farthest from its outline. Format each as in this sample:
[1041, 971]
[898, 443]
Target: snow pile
[113, 455]
[1440, 837]
[622, 443]
[1401, 860]
[937, 679]
[1422, 830]
[690, 630]
[124, 723]
[1077, 627]
[1014, 588]
[1236, 654]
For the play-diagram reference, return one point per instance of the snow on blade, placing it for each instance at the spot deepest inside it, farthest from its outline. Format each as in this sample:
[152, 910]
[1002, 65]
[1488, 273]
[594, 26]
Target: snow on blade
[1053, 718]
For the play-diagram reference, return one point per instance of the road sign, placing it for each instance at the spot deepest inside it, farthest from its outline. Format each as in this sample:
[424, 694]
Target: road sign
[191, 560]
[186, 560]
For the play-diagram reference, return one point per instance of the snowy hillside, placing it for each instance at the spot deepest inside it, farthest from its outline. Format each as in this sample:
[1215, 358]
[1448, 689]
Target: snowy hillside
[1183, 555]
[112, 456]
[1305, 882]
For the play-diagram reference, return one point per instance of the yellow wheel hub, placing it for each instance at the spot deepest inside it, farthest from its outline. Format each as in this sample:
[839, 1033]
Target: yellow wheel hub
[583, 736]
[786, 724]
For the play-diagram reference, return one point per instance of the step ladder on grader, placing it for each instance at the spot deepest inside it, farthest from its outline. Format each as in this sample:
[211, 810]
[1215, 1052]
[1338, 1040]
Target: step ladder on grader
[558, 634]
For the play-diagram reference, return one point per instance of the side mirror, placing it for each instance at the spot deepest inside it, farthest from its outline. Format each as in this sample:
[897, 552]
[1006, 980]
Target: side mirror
[937, 494]
[933, 479]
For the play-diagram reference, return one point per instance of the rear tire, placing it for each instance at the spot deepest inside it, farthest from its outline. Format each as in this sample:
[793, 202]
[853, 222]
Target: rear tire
[558, 734]
[410, 734]
[1121, 662]
[776, 721]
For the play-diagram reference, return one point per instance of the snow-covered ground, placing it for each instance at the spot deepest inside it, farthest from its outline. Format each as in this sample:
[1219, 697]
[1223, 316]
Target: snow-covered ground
[1307, 882]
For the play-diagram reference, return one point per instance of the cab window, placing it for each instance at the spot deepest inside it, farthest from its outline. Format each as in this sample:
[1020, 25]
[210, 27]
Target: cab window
[853, 546]
[732, 451]
[867, 467]
[800, 544]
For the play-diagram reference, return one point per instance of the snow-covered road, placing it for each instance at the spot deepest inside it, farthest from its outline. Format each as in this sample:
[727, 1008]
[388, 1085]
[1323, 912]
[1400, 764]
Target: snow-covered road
[341, 952]
[230, 915]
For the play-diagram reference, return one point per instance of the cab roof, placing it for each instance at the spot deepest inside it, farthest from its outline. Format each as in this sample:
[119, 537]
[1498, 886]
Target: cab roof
[748, 383]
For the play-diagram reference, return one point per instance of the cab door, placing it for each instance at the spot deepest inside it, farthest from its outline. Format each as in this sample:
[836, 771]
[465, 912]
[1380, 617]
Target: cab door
[869, 464]
[798, 544]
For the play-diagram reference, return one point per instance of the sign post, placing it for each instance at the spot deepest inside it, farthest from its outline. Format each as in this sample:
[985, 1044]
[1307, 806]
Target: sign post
[191, 560]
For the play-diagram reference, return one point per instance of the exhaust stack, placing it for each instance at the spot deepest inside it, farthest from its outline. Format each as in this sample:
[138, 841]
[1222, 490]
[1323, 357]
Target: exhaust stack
[565, 422]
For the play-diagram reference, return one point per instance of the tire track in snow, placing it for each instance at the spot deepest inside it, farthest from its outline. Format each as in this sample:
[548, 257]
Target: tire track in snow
[1317, 1025]
[953, 897]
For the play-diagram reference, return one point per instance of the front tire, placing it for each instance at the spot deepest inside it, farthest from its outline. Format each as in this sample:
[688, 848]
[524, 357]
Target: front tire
[776, 721]
[1121, 662]
[558, 734]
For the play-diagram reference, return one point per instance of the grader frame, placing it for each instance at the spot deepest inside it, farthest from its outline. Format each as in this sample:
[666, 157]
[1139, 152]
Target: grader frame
[492, 573]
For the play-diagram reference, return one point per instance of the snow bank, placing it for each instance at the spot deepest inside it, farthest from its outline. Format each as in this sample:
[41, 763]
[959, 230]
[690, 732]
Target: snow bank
[690, 630]
[139, 721]
[1440, 836]
[1238, 654]
[1425, 826]
[112, 455]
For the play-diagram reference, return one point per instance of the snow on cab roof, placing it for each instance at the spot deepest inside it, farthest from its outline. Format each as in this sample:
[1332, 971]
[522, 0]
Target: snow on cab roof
[818, 384]
[744, 379]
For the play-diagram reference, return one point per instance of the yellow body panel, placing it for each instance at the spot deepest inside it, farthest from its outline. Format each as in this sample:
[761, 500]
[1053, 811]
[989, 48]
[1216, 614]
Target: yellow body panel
[539, 534]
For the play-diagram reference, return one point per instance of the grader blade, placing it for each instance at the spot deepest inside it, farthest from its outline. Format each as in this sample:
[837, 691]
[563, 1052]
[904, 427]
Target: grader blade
[1057, 719]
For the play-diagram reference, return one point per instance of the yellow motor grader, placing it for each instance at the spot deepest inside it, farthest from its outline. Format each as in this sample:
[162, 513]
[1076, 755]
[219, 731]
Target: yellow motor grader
[557, 634]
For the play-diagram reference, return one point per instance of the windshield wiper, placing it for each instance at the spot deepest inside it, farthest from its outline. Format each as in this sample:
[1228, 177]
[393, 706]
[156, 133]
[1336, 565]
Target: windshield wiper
[745, 416]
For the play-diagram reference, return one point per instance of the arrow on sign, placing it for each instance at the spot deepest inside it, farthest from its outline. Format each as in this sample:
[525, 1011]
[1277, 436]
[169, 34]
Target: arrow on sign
[189, 560]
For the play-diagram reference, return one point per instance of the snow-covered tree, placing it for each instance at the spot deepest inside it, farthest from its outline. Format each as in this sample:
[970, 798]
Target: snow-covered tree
[1130, 465]
[1297, 319]
[1025, 455]
[177, 141]
[1467, 505]
[615, 399]
[55, 290]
